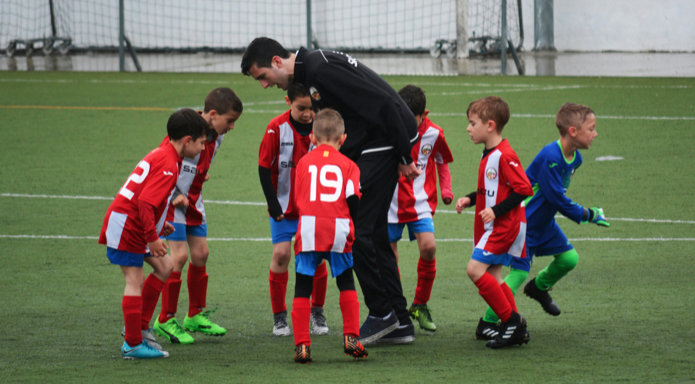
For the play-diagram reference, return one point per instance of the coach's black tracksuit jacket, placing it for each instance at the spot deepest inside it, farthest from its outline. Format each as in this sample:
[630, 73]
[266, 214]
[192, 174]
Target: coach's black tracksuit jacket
[376, 118]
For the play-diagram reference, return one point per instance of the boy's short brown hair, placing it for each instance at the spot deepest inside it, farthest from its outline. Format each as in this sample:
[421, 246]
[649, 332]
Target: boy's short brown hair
[491, 108]
[328, 125]
[571, 115]
[222, 100]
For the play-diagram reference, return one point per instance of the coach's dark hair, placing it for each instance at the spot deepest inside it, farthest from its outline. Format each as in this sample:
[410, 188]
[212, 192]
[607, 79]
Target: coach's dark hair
[414, 98]
[571, 115]
[491, 108]
[261, 52]
[186, 122]
[222, 100]
[296, 90]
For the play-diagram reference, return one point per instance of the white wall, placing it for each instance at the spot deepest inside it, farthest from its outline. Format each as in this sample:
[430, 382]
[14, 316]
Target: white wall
[619, 25]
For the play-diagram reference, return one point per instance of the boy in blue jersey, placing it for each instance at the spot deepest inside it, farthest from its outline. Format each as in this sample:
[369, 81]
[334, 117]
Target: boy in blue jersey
[550, 174]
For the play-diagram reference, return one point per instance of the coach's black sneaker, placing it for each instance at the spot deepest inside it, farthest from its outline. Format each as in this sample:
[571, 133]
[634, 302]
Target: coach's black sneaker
[486, 330]
[531, 290]
[404, 334]
[511, 332]
[375, 328]
[302, 354]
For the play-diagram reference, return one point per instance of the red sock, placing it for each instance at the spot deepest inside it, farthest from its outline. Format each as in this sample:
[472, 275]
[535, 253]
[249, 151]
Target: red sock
[350, 308]
[301, 312]
[132, 311]
[278, 290]
[170, 297]
[510, 296]
[493, 294]
[318, 297]
[150, 296]
[197, 289]
[426, 272]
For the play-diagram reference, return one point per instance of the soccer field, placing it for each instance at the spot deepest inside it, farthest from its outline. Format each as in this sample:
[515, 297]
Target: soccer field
[70, 140]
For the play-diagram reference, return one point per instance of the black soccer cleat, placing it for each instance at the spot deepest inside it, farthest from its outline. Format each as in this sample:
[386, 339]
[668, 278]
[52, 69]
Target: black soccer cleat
[302, 354]
[512, 332]
[486, 330]
[375, 328]
[354, 348]
[543, 297]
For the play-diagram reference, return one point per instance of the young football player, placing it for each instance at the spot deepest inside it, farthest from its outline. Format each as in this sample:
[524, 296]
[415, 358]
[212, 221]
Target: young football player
[415, 201]
[327, 195]
[287, 140]
[222, 109]
[134, 221]
[550, 174]
[500, 221]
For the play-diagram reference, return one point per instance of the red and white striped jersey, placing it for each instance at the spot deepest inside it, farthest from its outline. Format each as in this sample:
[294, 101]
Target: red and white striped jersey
[499, 175]
[152, 182]
[417, 199]
[280, 151]
[190, 183]
[325, 179]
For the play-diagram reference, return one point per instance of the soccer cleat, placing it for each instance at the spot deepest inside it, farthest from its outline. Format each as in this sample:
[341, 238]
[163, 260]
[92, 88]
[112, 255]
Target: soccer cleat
[173, 331]
[318, 322]
[280, 326]
[531, 290]
[404, 334]
[201, 323]
[354, 348]
[375, 328]
[147, 335]
[486, 330]
[512, 332]
[141, 351]
[302, 354]
[422, 314]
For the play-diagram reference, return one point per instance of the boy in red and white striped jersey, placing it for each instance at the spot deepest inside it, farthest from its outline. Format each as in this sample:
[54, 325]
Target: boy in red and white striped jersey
[500, 220]
[415, 201]
[134, 222]
[327, 196]
[187, 214]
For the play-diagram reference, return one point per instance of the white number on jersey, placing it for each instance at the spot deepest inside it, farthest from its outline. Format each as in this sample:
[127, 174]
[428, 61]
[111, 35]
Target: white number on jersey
[337, 184]
[135, 178]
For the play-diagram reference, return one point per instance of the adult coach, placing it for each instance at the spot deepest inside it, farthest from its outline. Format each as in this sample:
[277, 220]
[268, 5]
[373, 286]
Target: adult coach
[380, 130]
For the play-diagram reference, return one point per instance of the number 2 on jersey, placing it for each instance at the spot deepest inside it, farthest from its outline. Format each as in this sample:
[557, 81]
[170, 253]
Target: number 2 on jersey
[135, 178]
[337, 184]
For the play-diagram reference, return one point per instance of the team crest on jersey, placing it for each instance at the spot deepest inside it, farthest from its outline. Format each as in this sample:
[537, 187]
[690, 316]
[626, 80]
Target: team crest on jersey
[314, 94]
[491, 173]
[426, 150]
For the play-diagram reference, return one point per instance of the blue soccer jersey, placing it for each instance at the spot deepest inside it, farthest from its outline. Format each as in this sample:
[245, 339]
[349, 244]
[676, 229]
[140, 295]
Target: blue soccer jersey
[550, 174]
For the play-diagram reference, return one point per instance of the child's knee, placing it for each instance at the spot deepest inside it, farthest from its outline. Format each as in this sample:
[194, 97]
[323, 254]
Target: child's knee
[568, 260]
[427, 251]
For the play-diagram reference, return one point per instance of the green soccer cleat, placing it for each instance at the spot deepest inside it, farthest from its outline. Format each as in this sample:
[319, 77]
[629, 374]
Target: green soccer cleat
[201, 323]
[421, 313]
[173, 331]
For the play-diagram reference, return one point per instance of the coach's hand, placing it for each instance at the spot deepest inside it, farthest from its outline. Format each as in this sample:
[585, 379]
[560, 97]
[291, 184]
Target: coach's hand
[180, 201]
[410, 171]
[597, 217]
[158, 248]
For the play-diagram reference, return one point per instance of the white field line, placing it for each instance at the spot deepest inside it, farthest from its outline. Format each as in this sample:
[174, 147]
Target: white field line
[232, 202]
[260, 239]
[490, 91]
[534, 116]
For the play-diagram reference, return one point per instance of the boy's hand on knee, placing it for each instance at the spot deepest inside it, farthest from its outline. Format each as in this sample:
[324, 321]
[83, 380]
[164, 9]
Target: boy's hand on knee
[597, 217]
[158, 248]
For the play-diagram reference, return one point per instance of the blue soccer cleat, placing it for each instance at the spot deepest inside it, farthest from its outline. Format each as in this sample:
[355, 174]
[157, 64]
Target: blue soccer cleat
[141, 351]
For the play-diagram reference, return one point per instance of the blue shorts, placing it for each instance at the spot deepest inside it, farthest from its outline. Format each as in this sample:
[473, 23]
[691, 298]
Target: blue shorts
[418, 226]
[183, 230]
[306, 262]
[284, 230]
[126, 259]
[492, 259]
[554, 242]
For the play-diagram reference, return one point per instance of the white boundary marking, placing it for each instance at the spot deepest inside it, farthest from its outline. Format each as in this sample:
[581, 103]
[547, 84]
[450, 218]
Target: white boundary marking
[65, 237]
[534, 116]
[232, 202]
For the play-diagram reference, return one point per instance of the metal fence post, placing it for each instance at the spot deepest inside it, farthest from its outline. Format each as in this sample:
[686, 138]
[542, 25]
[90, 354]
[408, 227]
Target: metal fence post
[543, 25]
[308, 24]
[121, 35]
[461, 29]
[503, 42]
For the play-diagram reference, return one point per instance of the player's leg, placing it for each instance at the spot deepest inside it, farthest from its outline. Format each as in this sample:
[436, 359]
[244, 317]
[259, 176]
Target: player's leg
[196, 320]
[282, 233]
[423, 231]
[350, 309]
[318, 299]
[565, 259]
[305, 268]
[518, 273]
[395, 235]
[154, 283]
